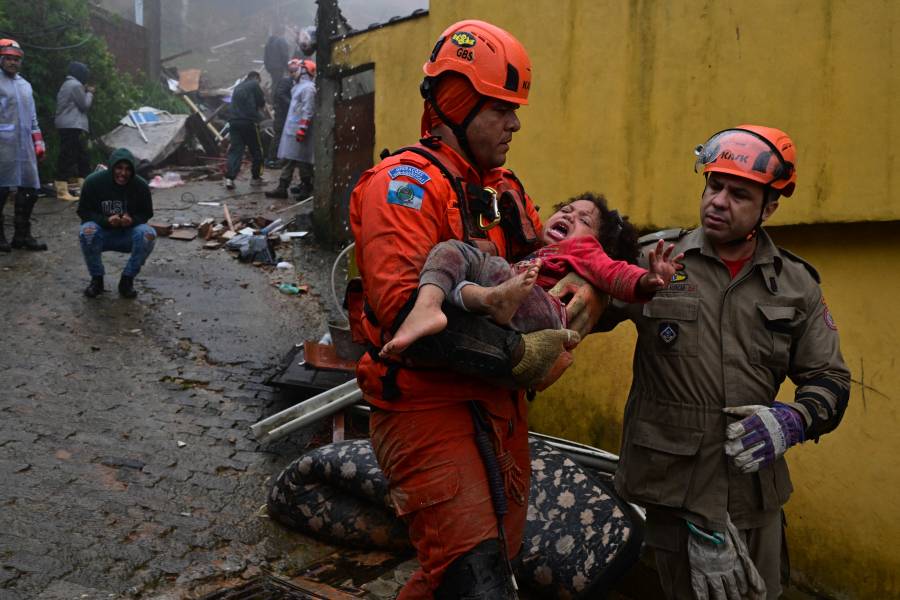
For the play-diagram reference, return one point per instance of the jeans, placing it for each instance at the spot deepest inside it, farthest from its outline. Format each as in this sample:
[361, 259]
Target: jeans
[244, 134]
[95, 240]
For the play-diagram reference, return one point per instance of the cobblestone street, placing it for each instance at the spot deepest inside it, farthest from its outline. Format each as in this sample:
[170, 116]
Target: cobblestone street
[126, 460]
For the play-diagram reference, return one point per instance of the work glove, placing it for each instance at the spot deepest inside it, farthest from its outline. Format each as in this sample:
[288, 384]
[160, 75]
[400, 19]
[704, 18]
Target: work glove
[40, 148]
[721, 568]
[762, 435]
[300, 135]
[585, 306]
[542, 349]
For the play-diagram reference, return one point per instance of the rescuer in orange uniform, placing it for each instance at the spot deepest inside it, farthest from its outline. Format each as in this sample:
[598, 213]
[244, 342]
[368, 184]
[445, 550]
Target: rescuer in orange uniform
[424, 423]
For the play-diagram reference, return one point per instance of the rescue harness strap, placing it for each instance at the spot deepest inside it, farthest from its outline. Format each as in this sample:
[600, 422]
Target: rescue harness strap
[495, 485]
[390, 389]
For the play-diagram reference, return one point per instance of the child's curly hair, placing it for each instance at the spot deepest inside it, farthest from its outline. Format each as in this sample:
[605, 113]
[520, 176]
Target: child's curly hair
[617, 235]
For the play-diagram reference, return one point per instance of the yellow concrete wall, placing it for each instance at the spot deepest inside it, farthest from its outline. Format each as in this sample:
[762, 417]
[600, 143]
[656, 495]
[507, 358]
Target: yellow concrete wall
[622, 92]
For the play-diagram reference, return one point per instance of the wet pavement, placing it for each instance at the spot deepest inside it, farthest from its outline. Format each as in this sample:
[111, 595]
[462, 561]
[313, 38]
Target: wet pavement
[126, 460]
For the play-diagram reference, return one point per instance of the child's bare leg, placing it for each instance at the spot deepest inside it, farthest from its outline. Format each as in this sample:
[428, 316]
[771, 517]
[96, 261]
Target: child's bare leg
[501, 301]
[425, 318]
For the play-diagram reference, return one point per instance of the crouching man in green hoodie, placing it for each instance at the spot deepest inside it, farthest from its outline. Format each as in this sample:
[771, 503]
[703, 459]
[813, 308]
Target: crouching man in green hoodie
[114, 207]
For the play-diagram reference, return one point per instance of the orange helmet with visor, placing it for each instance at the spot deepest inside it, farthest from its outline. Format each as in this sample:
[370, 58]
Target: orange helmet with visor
[762, 154]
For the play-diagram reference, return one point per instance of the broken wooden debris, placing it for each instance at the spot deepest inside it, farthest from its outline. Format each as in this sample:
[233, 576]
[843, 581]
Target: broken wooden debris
[162, 229]
[228, 217]
[184, 233]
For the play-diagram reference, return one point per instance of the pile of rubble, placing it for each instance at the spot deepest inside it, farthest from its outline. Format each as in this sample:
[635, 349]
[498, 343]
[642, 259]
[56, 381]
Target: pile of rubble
[256, 240]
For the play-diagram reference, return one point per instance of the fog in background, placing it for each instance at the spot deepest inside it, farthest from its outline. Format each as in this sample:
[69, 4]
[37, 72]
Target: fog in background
[201, 25]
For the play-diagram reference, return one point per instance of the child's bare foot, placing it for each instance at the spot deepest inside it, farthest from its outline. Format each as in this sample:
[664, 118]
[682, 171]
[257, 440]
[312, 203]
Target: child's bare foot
[501, 302]
[525, 265]
[426, 318]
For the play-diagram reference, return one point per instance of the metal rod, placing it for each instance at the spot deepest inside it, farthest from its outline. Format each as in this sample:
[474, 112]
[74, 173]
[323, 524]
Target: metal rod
[138, 125]
[312, 416]
[301, 414]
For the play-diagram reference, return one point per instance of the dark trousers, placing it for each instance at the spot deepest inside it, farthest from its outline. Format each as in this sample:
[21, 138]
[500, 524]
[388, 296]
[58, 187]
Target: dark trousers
[23, 205]
[668, 536]
[72, 160]
[304, 170]
[277, 127]
[244, 134]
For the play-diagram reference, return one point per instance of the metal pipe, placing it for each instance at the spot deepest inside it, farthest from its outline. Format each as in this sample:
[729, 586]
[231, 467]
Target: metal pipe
[306, 412]
[314, 415]
[134, 120]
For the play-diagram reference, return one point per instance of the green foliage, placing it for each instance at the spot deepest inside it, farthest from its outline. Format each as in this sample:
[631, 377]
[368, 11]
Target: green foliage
[55, 32]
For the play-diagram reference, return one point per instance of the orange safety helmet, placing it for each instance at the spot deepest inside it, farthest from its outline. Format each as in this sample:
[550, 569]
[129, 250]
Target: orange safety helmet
[494, 61]
[309, 66]
[10, 47]
[755, 152]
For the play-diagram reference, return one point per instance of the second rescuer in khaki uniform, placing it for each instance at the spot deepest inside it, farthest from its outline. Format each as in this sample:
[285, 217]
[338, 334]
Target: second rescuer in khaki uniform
[703, 437]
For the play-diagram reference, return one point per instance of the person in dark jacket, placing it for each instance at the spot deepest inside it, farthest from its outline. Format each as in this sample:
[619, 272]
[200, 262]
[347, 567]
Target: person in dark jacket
[73, 101]
[243, 127]
[115, 207]
[275, 56]
[281, 102]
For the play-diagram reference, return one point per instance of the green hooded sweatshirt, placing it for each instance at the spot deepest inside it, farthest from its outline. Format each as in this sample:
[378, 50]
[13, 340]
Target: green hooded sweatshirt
[102, 197]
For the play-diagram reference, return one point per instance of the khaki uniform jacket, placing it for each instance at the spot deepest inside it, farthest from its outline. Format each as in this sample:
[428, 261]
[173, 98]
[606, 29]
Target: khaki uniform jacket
[707, 342]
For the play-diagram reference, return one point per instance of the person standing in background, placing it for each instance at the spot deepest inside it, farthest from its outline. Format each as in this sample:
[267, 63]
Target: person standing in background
[21, 147]
[73, 101]
[296, 146]
[243, 127]
[281, 102]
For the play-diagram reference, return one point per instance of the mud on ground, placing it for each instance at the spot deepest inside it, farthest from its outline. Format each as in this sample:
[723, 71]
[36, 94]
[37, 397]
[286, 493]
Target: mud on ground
[126, 460]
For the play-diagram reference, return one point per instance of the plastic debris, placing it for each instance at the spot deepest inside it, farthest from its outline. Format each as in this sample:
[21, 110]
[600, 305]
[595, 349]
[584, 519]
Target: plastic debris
[169, 179]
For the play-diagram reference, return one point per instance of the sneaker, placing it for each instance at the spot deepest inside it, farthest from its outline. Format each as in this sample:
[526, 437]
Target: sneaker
[256, 182]
[229, 184]
[95, 288]
[126, 287]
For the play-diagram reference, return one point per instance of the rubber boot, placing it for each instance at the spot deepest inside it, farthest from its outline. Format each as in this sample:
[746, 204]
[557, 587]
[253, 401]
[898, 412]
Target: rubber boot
[4, 245]
[62, 191]
[22, 223]
[280, 192]
[95, 288]
[126, 287]
[304, 190]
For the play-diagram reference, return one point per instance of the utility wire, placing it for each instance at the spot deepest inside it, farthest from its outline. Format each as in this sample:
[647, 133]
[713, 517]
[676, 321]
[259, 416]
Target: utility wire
[57, 48]
[39, 32]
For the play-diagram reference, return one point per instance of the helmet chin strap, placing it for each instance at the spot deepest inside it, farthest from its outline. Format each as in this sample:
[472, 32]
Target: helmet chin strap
[458, 129]
[755, 231]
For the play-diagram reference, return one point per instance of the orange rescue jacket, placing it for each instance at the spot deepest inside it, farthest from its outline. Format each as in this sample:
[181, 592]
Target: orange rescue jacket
[399, 210]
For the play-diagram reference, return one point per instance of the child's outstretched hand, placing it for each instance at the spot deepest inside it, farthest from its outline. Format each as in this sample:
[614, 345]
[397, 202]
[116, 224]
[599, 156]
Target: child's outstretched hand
[660, 268]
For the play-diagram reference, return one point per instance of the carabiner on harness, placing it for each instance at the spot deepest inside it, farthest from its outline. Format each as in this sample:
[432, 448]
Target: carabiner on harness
[484, 225]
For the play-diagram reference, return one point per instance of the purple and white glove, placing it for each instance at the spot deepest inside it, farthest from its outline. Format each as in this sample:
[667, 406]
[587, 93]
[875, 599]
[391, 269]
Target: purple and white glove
[762, 435]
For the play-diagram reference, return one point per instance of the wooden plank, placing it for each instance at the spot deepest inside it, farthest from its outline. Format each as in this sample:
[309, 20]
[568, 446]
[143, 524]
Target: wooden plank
[185, 234]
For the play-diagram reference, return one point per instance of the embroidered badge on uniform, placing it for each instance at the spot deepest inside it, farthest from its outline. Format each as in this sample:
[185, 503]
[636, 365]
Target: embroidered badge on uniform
[413, 173]
[829, 319]
[679, 276]
[668, 333]
[405, 194]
